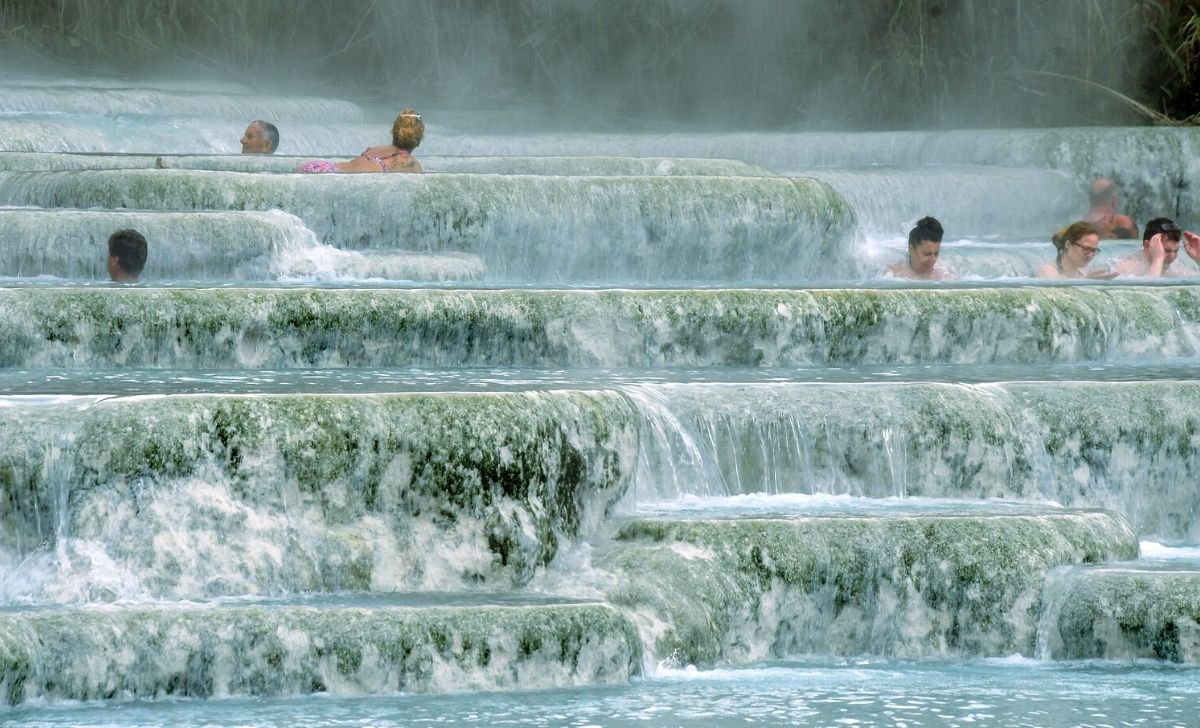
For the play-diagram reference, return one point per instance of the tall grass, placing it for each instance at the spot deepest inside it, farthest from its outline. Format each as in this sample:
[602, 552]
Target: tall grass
[728, 63]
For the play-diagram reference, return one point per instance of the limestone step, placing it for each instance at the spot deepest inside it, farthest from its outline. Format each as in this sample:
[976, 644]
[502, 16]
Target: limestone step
[1125, 612]
[206, 651]
[708, 591]
[639, 229]
[588, 166]
[271, 328]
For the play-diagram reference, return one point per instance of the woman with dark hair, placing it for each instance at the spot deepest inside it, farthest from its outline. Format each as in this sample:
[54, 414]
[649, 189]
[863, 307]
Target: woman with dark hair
[1077, 245]
[407, 132]
[924, 247]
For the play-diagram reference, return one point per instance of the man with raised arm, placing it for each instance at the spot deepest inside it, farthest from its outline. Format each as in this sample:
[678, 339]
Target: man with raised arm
[1160, 246]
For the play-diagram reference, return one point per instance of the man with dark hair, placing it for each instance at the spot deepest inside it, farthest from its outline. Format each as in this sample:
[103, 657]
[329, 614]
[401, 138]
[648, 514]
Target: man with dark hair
[126, 255]
[261, 137]
[1160, 246]
[1103, 198]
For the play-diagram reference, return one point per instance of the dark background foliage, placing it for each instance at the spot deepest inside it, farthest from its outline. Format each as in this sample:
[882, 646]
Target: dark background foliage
[724, 64]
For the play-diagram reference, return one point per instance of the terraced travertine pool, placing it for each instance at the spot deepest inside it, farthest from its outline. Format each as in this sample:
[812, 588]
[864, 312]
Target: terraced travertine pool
[602, 431]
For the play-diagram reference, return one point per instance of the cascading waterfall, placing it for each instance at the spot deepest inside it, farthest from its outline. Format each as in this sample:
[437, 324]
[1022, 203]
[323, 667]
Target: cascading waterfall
[1156, 167]
[627, 228]
[1126, 446]
[885, 198]
[578, 410]
[288, 328]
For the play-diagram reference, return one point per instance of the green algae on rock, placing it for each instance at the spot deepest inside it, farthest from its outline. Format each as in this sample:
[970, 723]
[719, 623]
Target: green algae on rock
[274, 328]
[707, 592]
[206, 496]
[1115, 613]
[221, 651]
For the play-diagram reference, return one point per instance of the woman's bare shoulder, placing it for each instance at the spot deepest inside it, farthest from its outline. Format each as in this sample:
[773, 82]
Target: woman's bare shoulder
[403, 163]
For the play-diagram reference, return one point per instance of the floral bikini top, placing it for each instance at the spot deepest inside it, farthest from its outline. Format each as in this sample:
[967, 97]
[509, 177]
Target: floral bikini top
[320, 166]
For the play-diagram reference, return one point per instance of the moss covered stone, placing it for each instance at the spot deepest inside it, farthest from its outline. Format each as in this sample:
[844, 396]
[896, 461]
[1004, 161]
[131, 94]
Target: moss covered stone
[746, 589]
[1116, 613]
[280, 650]
[293, 328]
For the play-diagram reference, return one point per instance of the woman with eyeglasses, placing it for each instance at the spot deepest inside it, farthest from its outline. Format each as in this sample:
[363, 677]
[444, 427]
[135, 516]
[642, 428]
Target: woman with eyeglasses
[1077, 245]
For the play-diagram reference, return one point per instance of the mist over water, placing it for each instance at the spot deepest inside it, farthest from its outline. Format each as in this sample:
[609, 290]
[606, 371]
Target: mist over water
[559, 64]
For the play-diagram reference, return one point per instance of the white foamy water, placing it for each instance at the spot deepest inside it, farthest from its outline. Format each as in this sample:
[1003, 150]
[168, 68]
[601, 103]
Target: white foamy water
[1152, 550]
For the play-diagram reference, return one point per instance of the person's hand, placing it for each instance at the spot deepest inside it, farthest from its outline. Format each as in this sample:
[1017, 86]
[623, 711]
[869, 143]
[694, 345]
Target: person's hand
[1102, 275]
[1154, 249]
[1191, 243]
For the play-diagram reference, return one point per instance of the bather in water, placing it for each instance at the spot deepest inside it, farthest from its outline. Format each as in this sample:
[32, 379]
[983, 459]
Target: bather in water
[407, 132]
[1077, 245]
[1161, 241]
[924, 247]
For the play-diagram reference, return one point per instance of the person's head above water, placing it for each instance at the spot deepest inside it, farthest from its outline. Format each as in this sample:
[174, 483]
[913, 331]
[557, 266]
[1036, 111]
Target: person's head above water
[1104, 195]
[261, 137]
[127, 251]
[1171, 236]
[926, 229]
[1076, 244]
[1103, 198]
[1165, 225]
[924, 245]
[407, 130]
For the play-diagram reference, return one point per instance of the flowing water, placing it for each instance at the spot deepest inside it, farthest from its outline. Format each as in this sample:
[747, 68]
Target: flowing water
[581, 429]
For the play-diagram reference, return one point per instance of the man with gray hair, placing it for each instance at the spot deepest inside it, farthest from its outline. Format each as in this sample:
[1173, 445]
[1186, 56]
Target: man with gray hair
[261, 137]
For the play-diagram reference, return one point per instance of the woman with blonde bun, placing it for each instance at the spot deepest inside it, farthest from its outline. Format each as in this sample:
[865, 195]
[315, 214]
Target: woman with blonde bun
[407, 131]
[1077, 244]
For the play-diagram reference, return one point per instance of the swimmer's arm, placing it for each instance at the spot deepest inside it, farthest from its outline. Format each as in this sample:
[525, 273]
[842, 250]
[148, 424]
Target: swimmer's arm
[1157, 256]
[1191, 245]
